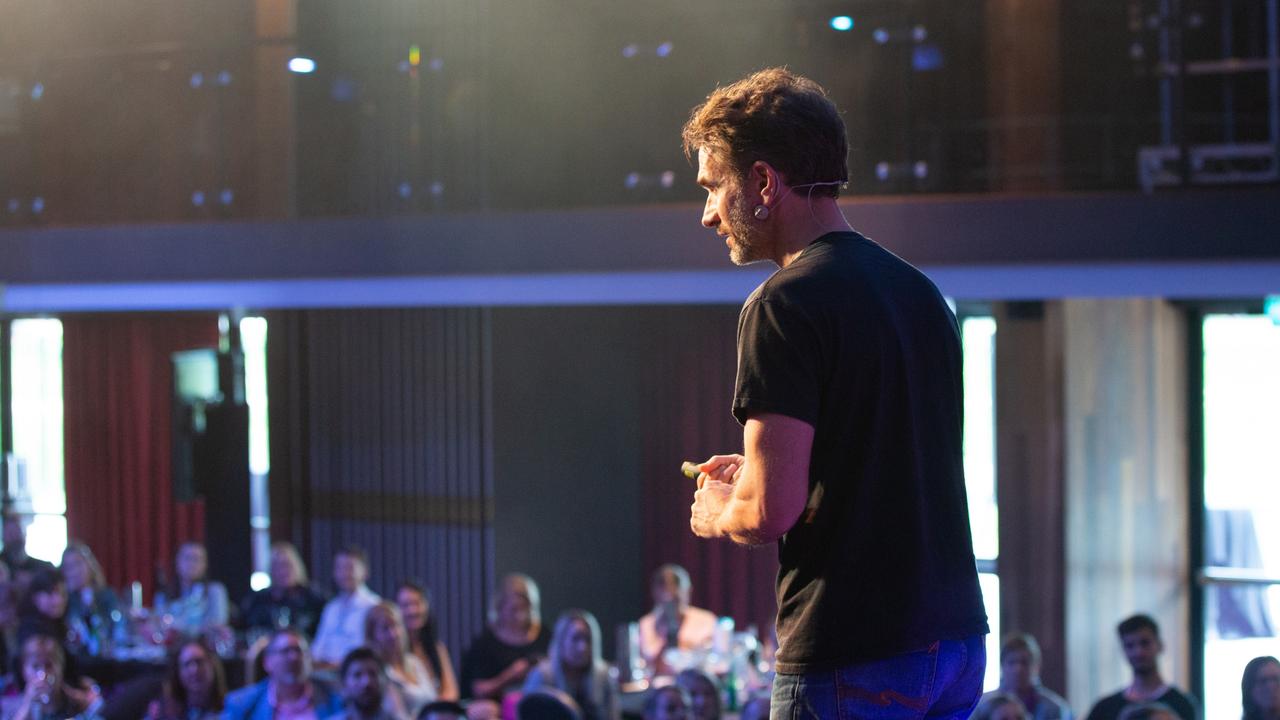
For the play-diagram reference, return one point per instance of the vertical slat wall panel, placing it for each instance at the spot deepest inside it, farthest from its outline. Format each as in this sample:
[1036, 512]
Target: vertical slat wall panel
[393, 453]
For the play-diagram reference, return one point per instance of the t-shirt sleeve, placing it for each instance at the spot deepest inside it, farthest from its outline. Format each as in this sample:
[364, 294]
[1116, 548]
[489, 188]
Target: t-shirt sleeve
[779, 363]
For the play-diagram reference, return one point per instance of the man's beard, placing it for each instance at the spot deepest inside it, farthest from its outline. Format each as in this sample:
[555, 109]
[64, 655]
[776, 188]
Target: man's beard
[748, 245]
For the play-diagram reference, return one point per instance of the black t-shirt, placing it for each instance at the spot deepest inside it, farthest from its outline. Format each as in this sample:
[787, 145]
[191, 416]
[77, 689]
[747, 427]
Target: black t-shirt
[488, 657]
[857, 343]
[1110, 707]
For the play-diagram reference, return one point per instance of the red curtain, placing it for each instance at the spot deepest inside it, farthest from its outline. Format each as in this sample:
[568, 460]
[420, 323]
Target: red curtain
[689, 389]
[118, 398]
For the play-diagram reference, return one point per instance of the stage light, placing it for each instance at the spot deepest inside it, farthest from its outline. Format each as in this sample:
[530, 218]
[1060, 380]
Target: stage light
[404, 190]
[882, 171]
[224, 78]
[926, 57]
[197, 79]
[37, 91]
[14, 206]
[664, 49]
[437, 189]
[197, 198]
[632, 181]
[436, 64]
[630, 51]
[841, 23]
[226, 197]
[259, 581]
[881, 36]
[919, 33]
[921, 170]
[415, 55]
[668, 178]
[37, 205]
[302, 65]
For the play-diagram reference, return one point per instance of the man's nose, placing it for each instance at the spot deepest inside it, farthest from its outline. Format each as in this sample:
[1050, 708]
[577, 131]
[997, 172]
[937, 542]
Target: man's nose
[709, 217]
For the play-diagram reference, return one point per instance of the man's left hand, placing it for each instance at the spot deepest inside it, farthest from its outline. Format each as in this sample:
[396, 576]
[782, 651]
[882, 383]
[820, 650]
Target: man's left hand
[708, 504]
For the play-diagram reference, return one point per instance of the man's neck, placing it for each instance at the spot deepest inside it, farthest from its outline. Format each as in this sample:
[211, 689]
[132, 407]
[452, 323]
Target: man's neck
[804, 221]
[290, 692]
[367, 713]
[1147, 683]
[348, 594]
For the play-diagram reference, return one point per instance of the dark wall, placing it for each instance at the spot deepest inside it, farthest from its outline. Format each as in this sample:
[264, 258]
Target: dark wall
[567, 485]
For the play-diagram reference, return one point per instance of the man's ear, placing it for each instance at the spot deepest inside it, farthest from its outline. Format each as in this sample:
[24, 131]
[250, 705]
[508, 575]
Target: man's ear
[764, 178]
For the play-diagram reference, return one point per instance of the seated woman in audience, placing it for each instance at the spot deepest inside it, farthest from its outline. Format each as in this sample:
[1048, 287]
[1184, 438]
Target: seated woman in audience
[46, 695]
[670, 702]
[92, 608]
[1020, 677]
[196, 603]
[512, 643]
[411, 686]
[575, 667]
[195, 687]
[289, 601]
[998, 705]
[44, 612]
[1260, 687]
[704, 694]
[424, 642]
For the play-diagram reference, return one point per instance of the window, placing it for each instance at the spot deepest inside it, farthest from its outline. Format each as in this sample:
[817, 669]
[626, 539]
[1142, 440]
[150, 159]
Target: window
[253, 338]
[978, 335]
[39, 486]
[1241, 485]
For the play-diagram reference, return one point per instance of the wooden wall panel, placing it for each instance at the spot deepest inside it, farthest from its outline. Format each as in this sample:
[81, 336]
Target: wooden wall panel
[382, 436]
[1030, 479]
[1126, 491]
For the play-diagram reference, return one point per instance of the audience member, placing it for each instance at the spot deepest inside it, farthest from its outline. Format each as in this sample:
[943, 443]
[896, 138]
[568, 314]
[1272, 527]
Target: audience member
[342, 622]
[443, 710]
[673, 622]
[411, 684]
[22, 567]
[46, 695]
[667, 703]
[44, 612]
[288, 693]
[1140, 639]
[195, 687]
[1000, 705]
[756, 708]
[575, 667]
[424, 640]
[195, 603]
[704, 694]
[513, 642]
[9, 599]
[364, 685]
[92, 607]
[1020, 677]
[288, 602]
[1260, 688]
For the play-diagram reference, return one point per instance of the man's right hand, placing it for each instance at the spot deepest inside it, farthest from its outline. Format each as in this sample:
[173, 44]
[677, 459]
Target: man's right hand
[724, 468]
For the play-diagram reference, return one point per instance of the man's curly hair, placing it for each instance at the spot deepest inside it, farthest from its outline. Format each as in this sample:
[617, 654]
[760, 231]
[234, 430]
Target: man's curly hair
[778, 117]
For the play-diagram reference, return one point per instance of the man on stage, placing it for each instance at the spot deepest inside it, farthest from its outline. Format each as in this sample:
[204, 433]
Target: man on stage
[849, 392]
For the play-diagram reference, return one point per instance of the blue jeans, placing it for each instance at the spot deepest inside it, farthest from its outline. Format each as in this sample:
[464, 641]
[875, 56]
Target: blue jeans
[941, 681]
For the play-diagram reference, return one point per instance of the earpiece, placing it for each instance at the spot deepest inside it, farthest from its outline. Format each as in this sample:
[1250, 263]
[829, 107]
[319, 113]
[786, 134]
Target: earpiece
[761, 212]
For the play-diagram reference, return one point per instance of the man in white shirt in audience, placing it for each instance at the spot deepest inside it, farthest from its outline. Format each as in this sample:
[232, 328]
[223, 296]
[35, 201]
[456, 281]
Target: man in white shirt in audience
[342, 622]
[673, 622]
